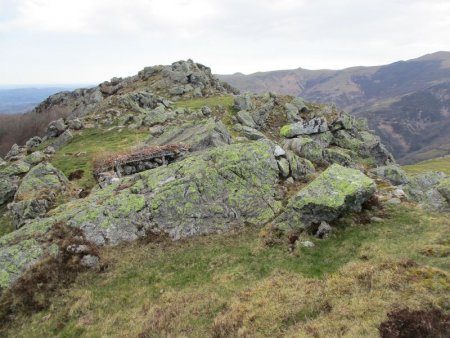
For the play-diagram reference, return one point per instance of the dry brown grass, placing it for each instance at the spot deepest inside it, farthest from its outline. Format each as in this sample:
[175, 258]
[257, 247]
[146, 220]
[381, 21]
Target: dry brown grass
[350, 303]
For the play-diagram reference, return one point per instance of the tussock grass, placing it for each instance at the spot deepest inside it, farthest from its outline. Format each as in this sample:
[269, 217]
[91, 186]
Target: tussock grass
[231, 285]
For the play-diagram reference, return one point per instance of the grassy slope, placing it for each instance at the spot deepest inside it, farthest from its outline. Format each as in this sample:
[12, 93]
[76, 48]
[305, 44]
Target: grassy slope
[437, 164]
[212, 284]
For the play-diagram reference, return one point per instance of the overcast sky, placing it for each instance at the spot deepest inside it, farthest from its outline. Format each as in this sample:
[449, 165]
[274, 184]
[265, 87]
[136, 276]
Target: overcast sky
[88, 41]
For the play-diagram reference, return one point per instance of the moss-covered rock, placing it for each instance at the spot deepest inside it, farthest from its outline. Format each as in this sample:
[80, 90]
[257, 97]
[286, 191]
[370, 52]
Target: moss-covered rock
[307, 148]
[14, 168]
[336, 191]
[338, 155]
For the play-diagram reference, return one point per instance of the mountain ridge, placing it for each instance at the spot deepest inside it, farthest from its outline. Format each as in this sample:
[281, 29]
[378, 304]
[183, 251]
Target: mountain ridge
[360, 90]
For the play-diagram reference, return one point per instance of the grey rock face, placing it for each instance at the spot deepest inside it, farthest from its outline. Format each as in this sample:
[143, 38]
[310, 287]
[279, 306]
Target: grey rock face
[249, 133]
[62, 140]
[245, 119]
[392, 173]
[283, 166]
[243, 102]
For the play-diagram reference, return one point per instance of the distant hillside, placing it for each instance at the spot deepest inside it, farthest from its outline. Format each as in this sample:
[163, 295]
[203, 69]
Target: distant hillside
[19, 100]
[406, 102]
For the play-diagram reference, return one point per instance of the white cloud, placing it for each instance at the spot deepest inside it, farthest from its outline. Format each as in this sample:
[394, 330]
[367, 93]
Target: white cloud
[119, 37]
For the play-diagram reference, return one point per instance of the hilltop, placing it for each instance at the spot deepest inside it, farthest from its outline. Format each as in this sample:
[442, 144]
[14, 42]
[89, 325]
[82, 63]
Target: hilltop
[168, 204]
[406, 102]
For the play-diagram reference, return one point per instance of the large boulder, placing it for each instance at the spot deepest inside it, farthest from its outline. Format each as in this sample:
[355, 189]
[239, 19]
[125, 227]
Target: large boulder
[245, 119]
[336, 191]
[392, 173]
[197, 134]
[41, 181]
[212, 191]
[37, 192]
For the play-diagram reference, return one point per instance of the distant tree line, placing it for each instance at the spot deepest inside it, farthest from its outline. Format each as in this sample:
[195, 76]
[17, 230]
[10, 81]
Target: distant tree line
[18, 128]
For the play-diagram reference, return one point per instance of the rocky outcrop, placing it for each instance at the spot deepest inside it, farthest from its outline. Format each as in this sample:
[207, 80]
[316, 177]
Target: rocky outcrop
[336, 191]
[198, 135]
[213, 191]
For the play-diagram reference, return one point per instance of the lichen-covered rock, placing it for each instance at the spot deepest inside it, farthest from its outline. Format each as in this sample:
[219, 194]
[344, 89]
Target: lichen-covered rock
[28, 209]
[284, 167]
[15, 153]
[16, 258]
[307, 148]
[424, 189]
[301, 168]
[344, 121]
[338, 155]
[35, 158]
[391, 173]
[245, 119]
[8, 187]
[199, 134]
[212, 191]
[40, 182]
[313, 126]
[336, 191]
[14, 169]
